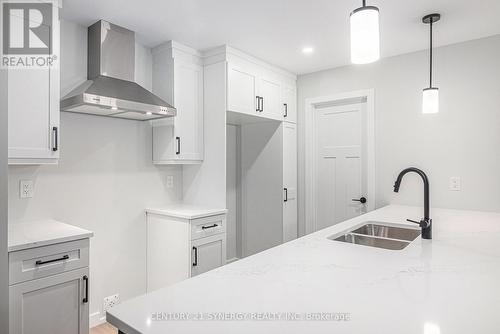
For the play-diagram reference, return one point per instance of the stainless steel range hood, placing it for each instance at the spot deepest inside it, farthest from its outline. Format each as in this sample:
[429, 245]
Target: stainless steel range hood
[110, 89]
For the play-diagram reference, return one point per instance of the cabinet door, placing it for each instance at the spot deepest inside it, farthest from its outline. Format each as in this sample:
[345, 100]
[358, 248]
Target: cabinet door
[289, 99]
[241, 89]
[289, 181]
[208, 253]
[50, 305]
[270, 91]
[188, 99]
[33, 105]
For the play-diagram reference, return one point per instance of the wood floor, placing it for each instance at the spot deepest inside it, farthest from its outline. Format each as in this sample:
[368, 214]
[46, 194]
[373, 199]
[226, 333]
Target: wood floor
[103, 329]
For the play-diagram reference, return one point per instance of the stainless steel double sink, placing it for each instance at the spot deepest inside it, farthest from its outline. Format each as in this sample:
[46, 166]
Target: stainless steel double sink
[380, 235]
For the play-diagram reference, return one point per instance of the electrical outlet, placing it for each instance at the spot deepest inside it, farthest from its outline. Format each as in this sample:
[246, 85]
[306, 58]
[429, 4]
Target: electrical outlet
[170, 181]
[110, 301]
[26, 188]
[455, 183]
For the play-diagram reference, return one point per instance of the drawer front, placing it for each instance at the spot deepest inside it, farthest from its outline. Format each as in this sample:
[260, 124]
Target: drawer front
[207, 226]
[34, 263]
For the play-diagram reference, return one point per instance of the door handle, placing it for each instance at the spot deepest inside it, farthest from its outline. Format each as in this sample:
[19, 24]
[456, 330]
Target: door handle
[362, 200]
[86, 298]
[195, 262]
[286, 194]
[40, 262]
[55, 130]
[178, 140]
[262, 104]
[286, 110]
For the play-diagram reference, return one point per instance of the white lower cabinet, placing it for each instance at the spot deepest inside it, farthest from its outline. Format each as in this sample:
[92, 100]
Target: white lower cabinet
[208, 253]
[51, 305]
[181, 245]
[49, 289]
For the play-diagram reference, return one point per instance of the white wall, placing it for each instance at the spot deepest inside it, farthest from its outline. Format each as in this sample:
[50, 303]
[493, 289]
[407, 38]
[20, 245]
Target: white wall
[462, 140]
[104, 181]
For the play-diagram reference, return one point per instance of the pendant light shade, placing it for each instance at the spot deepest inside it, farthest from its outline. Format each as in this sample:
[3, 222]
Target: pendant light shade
[365, 35]
[430, 97]
[430, 102]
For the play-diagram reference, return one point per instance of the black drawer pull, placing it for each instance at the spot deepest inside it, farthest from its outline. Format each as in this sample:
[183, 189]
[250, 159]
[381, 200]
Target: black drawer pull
[178, 151]
[286, 110]
[86, 298]
[55, 148]
[286, 194]
[195, 263]
[209, 226]
[40, 262]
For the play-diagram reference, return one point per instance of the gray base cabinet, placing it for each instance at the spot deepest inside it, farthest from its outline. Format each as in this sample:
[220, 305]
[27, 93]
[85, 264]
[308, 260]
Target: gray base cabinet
[49, 289]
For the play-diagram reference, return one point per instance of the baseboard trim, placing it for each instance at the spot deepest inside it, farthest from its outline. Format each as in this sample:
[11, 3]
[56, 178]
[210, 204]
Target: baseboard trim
[97, 319]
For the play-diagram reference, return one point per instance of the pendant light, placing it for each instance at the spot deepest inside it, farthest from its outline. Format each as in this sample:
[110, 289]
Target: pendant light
[430, 102]
[365, 35]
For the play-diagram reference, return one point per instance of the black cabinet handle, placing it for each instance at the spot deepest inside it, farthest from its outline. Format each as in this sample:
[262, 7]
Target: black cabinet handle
[195, 263]
[257, 109]
[86, 298]
[261, 104]
[362, 200]
[209, 226]
[286, 194]
[55, 130]
[286, 110]
[40, 262]
[178, 140]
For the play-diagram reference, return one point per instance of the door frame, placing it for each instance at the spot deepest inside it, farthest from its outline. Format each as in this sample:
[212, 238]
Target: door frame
[367, 96]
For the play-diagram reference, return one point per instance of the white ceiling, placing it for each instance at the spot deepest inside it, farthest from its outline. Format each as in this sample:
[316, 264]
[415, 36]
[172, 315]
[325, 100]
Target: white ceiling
[277, 30]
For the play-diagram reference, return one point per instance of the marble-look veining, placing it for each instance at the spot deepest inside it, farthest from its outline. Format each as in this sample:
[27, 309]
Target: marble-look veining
[440, 286]
[41, 233]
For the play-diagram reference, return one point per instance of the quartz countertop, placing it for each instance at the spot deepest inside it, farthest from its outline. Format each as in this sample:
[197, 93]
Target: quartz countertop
[187, 211]
[42, 233]
[448, 285]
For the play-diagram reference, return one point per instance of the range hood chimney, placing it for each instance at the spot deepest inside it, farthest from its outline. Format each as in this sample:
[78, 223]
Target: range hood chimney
[110, 89]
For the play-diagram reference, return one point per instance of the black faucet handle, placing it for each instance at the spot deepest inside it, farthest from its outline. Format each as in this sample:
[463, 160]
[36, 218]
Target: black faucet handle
[422, 223]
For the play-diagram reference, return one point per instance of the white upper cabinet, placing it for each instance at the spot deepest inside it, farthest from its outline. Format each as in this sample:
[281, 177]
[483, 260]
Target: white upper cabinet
[33, 106]
[242, 89]
[289, 103]
[270, 97]
[258, 90]
[178, 79]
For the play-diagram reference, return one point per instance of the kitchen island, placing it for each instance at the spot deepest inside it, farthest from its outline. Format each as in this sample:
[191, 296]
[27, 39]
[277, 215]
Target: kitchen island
[316, 285]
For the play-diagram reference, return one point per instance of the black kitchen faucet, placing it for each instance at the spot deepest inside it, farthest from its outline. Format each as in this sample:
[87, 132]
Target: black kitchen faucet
[426, 222]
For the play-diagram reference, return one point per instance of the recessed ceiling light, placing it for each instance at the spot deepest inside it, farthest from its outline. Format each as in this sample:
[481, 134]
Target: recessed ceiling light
[149, 113]
[114, 108]
[307, 50]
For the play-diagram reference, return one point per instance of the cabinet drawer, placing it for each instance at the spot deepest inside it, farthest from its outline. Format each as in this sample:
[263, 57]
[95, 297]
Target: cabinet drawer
[49, 260]
[207, 226]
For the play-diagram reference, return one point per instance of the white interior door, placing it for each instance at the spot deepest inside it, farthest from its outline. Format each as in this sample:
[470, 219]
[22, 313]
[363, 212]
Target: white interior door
[341, 163]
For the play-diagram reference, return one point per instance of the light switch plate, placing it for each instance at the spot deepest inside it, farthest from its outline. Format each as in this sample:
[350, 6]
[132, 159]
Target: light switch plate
[26, 188]
[455, 183]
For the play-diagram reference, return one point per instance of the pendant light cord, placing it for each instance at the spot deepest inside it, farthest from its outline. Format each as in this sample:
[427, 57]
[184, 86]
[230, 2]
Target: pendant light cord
[364, 3]
[430, 62]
